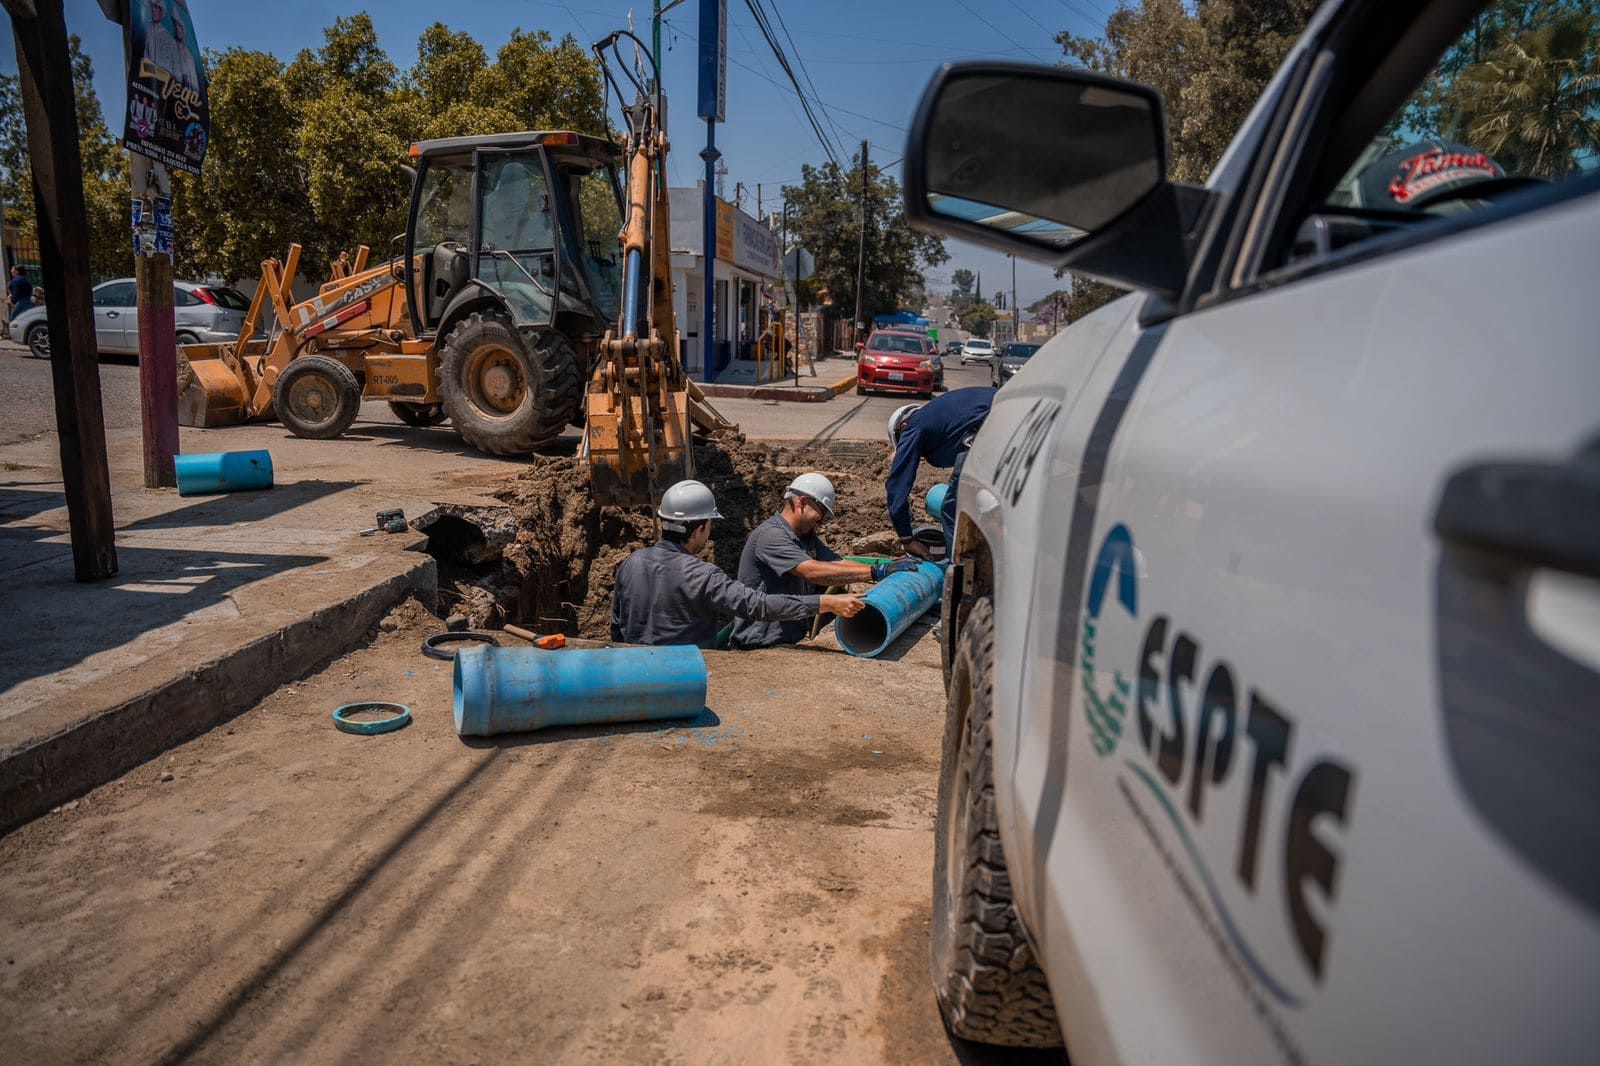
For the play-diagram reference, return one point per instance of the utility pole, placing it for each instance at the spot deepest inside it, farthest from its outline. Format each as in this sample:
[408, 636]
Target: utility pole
[1016, 308]
[5, 265]
[759, 213]
[158, 349]
[713, 62]
[861, 247]
[44, 72]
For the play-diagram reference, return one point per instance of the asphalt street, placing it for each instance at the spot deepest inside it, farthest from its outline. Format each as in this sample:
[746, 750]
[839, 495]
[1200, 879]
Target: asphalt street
[30, 411]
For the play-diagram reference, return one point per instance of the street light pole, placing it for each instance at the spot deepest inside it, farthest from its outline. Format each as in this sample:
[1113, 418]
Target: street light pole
[709, 206]
[861, 248]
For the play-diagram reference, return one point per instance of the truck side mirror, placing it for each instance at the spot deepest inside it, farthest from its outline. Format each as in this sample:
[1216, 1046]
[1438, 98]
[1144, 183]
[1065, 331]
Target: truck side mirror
[1060, 165]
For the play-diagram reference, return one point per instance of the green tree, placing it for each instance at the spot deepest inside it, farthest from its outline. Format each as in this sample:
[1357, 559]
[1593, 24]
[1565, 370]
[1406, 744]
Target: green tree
[105, 170]
[978, 318]
[1089, 295]
[250, 200]
[825, 219]
[1210, 64]
[1522, 85]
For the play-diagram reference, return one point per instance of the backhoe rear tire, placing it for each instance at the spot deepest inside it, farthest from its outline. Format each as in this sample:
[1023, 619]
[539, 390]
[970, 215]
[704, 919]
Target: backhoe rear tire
[988, 983]
[316, 397]
[506, 393]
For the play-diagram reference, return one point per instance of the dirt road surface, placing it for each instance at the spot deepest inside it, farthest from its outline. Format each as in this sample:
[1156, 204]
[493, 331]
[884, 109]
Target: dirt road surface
[752, 886]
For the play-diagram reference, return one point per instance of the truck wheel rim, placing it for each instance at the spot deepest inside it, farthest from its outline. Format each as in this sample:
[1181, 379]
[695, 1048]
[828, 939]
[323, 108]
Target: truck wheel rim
[313, 399]
[494, 381]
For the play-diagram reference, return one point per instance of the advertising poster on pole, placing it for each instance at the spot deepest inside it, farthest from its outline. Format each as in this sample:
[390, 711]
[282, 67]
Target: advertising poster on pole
[168, 115]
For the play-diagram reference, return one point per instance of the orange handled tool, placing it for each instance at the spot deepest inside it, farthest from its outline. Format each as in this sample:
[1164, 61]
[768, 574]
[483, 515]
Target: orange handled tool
[549, 643]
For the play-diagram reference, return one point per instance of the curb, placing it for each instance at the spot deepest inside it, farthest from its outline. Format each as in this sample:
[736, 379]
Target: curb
[803, 394]
[50, 769]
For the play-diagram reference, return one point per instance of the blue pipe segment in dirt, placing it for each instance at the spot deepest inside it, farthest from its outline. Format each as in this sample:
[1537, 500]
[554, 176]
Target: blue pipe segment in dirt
[223, 472]
[936, 497]
[892, 605]
[513, 690]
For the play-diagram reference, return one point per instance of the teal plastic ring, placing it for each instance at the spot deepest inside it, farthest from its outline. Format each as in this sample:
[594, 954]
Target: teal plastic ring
[376, 725]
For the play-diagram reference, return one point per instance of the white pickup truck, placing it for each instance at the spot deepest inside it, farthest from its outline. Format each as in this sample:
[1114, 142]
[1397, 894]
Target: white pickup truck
[1273, 620]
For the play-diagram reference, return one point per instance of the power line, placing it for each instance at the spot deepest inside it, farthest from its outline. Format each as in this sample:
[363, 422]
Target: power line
[783, 63]
[974, 13]
[798, 58]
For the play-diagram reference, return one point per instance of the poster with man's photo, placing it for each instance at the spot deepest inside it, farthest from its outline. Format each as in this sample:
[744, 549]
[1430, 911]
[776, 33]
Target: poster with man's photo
[168, 117]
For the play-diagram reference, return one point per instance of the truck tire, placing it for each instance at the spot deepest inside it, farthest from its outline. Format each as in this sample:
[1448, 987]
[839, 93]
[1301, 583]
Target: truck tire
[420, 415]
[507, 394]
[988, 983]
[317, 397]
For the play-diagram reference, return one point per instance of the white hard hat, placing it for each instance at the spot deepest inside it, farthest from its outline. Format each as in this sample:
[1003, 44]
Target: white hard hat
[814, 486]
[685, 504]
[898, 419]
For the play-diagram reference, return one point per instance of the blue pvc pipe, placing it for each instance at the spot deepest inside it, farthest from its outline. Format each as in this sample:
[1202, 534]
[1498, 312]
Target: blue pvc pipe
[513, 690]
[892, 605]
[223, 472]
[936, 497]
[630, 306]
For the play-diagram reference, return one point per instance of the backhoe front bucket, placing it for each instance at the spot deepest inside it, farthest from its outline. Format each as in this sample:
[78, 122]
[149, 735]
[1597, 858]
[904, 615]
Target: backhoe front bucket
[213, 394]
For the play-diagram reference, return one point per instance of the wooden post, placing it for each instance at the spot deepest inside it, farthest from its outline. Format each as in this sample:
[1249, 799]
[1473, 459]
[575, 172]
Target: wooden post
[158, 352]
[45, 72]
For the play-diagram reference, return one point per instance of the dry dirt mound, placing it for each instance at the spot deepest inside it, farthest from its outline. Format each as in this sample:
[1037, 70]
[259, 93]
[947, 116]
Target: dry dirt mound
[559, 571]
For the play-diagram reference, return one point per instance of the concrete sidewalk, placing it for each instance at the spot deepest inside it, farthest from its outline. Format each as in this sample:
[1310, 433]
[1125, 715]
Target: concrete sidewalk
[831, 376]
[218, 600]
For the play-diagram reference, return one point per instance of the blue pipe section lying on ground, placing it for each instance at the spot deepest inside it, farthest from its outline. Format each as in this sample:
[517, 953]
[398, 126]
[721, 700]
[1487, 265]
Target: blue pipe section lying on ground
[222, 472]
[513, 690]
[892, 605]
[630, 309]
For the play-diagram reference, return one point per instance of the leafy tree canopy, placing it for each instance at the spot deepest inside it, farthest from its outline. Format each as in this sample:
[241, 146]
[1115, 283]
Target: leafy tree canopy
[826, 219]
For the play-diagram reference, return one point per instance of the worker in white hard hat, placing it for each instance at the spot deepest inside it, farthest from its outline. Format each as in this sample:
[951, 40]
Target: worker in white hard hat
[785, 555]
[665, 594]
[940, 432]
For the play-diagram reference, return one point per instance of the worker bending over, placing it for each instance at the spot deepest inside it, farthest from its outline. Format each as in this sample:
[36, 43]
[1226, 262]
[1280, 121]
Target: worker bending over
[940, 432]
[666, 595]
[785, 556]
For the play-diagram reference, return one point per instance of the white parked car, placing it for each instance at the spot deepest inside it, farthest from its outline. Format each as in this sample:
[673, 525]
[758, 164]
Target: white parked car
[202, 314]
[1273, 619]
[977, 350]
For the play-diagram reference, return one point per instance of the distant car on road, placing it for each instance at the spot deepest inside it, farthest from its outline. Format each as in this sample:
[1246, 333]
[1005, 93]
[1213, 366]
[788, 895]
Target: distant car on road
[977, 350]
[1012, 356]
[203, 314]
[952, 348]
[896, 361]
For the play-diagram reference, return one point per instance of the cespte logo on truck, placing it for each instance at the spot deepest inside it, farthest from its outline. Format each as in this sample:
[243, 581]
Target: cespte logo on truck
[1178, 750]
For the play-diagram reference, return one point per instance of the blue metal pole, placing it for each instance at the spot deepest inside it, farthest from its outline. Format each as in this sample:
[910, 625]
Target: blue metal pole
[708, 325]
[513, 690]
[892, 605]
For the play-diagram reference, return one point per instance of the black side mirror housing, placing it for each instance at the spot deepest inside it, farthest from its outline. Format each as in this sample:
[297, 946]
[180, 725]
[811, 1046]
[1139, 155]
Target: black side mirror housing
[1064, 166]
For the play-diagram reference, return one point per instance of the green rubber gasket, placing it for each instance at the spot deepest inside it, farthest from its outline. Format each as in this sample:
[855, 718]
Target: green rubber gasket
[377, 725]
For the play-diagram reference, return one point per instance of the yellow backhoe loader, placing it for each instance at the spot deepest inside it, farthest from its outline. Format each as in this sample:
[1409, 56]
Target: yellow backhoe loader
[512, 291]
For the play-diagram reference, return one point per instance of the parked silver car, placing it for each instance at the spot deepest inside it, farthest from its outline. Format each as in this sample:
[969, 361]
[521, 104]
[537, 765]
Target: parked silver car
[202, 314]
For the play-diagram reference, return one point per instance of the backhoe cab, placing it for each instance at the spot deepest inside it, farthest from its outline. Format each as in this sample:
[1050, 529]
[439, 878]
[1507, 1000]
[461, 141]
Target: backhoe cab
[514, 345]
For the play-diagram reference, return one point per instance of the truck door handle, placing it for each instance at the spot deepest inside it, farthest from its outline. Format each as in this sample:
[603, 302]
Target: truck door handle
[111, 314]
[1534, 515]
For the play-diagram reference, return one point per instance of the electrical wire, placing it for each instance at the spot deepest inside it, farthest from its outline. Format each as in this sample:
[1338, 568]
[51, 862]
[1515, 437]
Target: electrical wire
[783, 63]
[798, 58]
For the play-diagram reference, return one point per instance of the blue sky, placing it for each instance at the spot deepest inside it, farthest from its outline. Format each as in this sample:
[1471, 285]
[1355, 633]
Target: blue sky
[868, 60]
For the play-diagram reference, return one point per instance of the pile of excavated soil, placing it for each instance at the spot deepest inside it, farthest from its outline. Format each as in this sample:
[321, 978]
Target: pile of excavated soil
[559, 571]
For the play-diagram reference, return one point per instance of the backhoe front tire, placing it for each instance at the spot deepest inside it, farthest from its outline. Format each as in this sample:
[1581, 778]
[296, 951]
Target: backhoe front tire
[988, 983]
[317, 397]
[506, 393]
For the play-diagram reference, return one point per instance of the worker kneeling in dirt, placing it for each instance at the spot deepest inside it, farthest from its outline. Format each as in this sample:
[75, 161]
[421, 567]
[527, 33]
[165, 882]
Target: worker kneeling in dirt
[785, 556]
[666, 595]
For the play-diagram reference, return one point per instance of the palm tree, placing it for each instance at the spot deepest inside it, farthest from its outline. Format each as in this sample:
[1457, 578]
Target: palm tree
[1534, 103]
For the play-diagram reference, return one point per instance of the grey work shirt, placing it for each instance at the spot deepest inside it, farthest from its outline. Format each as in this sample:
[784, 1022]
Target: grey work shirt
[666, 596]
[767, 564]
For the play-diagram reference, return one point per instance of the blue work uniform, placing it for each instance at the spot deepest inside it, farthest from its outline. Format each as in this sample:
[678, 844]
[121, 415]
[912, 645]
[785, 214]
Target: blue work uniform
[940, 433]
[767, 564]
[21, 290]
[666, 596]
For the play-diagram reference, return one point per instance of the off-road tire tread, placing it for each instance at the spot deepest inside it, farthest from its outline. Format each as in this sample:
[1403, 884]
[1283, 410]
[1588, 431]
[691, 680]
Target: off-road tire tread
[557, 392]
[988, 983]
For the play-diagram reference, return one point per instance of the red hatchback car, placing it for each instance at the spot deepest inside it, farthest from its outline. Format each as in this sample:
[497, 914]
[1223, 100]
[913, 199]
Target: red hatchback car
[896, 361]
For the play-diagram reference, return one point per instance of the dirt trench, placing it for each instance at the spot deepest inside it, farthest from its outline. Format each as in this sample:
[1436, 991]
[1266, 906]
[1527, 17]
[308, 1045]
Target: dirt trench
[558, 572]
